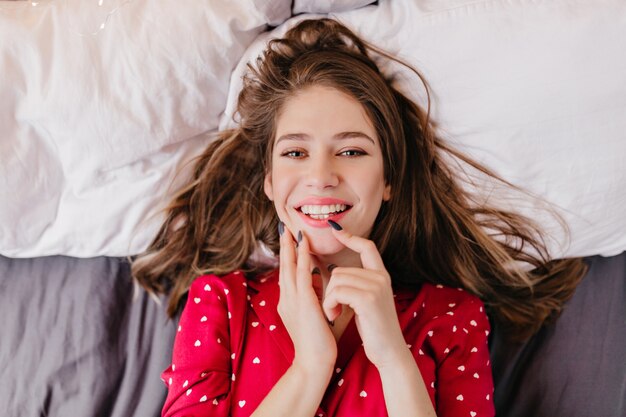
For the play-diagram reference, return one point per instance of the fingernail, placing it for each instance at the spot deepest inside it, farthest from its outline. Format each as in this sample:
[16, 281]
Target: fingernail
[299, 236]
[281, 228]
[334, 225]
[331, 267]
[316, 271]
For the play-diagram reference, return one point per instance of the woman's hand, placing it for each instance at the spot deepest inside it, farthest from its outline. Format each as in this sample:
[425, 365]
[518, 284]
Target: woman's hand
[368, 292]
[299, 308]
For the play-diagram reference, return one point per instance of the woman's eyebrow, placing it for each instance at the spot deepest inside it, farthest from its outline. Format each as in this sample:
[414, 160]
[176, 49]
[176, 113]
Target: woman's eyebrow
[342, 135]
[349, 135]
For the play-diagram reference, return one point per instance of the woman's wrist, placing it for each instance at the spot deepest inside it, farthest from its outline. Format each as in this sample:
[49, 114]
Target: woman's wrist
[400, 359]
[403, 386]
[299, 392]
[313, 372]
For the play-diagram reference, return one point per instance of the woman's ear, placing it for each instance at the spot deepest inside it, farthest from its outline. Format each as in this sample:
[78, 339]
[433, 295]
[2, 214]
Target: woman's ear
[267, 186]
[387, 193]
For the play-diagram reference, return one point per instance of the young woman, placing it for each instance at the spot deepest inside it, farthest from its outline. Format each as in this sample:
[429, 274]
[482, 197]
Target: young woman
[372, 307]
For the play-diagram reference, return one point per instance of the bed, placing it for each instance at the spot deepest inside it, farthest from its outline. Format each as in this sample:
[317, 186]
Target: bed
[105, 102]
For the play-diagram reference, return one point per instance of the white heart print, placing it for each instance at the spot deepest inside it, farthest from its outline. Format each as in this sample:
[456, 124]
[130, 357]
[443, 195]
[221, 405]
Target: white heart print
[242, 403]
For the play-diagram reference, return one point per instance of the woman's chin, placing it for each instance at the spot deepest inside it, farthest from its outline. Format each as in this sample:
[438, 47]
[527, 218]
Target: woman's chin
[323, 247]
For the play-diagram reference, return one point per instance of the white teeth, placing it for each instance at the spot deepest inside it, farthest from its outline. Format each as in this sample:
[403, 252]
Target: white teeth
[323, 210]
[319, 216]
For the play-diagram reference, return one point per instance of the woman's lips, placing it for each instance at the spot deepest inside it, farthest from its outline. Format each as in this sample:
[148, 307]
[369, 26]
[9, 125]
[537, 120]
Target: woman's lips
[336, 217]
[320, 201]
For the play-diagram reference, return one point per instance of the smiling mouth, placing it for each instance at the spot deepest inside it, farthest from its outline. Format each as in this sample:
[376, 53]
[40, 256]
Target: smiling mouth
[323, 212]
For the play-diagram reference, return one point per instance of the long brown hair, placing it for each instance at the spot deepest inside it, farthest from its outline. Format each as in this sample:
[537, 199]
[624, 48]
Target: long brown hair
[431, 230]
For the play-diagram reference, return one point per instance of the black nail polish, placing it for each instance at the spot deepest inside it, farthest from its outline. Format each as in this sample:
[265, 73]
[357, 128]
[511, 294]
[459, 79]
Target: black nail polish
[334, 225]
[316, 271]
[331, 267]
[281, 228]
[299, 236]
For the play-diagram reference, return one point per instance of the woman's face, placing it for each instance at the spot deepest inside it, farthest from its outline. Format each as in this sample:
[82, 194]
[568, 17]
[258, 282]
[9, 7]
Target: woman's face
[327, 163]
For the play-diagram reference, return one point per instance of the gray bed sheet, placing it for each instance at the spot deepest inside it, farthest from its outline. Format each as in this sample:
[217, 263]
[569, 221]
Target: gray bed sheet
[78, 340]
[577, 366]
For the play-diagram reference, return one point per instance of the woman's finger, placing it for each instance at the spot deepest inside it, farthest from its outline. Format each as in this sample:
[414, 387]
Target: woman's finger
[303, 264]
[370, 257]
[318, 283]
[287, 262]
[362, 279]
[319, 277]
[341, 295]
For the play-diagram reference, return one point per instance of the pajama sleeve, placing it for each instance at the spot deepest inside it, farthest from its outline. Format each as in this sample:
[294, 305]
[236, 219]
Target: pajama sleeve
[199, 377]
[464, 380]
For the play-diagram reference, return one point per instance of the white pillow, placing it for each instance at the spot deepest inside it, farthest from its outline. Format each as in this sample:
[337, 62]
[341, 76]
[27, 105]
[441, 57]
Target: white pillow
[102, 102]
[327, 6]
[534, 90]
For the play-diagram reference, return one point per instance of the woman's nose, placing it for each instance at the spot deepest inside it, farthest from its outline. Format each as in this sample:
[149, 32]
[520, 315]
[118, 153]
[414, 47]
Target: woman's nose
[322, 173]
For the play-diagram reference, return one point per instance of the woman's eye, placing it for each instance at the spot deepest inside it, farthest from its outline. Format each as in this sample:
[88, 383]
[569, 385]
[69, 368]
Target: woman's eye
[352, 152]
[298, 153]
[293, 154]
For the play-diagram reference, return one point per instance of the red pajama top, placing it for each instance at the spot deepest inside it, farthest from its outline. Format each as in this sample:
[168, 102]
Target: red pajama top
[232, 347]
